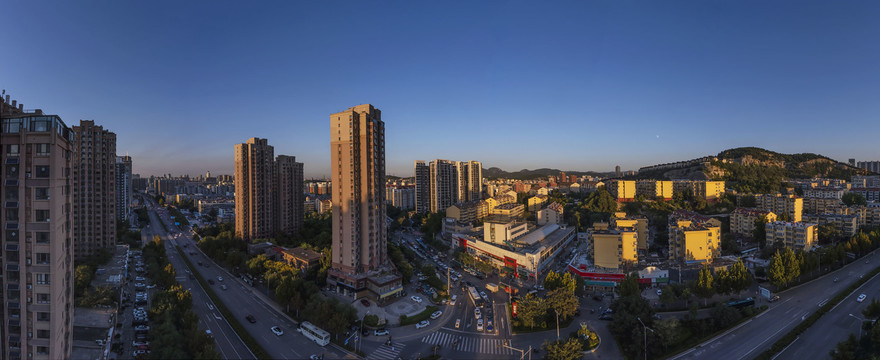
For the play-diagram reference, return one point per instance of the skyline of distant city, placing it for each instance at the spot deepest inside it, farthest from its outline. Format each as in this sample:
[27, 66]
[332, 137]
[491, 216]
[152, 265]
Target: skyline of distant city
[585, 89]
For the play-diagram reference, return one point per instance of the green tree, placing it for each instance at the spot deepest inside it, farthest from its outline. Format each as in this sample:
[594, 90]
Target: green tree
[588, 335]
[563, 302]
[530, 310]
[760, 232]
[569, 349]
[705, 285]
[792, 266]
[872, 311]
[776, 270]
[739, 277]
[852, 198]
[630, 285]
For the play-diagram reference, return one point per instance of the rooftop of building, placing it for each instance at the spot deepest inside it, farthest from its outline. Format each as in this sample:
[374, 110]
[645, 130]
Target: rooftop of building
[303, 253]
[555, 206]
[802, 225]
[509, 206]
[582, 262]
[751, 211]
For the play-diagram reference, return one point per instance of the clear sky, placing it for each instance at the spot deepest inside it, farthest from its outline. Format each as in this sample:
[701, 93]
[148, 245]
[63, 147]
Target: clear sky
[581, 85]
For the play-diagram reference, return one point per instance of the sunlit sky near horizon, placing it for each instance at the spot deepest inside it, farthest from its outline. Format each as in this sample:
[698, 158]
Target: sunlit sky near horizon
[581, 85]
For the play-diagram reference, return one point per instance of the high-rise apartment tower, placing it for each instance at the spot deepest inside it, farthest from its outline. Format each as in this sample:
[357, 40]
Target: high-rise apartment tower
[94, 189]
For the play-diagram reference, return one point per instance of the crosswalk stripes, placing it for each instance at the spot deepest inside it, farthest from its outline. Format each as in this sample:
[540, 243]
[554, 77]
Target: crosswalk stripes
[387, 352]
[467, 344]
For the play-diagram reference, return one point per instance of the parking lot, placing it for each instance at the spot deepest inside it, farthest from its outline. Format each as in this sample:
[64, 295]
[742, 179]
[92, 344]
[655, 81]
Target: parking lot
[136, 295]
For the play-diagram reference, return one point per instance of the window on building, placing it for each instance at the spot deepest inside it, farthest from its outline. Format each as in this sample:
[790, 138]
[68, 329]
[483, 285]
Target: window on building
[42, 279]
[42, 171]
[42, 334]
[12, 235]
[42, 193]
[12, 149]
[42, 350]
[42, 258]
[43, 149]
[42, 238]
[42, 316]
[42, 215]
[12, 171]
[42, 298]
[11, 193]
[11, 214]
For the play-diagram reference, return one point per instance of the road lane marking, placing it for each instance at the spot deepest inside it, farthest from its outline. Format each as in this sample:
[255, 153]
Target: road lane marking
[768, 338]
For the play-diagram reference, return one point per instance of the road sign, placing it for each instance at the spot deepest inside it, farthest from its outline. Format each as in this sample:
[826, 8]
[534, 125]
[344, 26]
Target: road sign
[764, 292]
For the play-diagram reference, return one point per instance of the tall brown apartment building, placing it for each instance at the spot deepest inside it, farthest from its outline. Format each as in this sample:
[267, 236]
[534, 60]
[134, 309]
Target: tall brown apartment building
[36, 304]
[268, 191]
[254, 215]
[290, 196]
[357, 148]
[94, 189]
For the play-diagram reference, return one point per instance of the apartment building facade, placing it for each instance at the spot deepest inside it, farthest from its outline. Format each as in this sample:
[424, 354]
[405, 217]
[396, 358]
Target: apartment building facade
[794, 235]
[742, 220]
[289, 194]
[621, 190]
[94, 190]
[791, 205]
[615, 248]
[254, 177]
[654, 189]
[124, 191]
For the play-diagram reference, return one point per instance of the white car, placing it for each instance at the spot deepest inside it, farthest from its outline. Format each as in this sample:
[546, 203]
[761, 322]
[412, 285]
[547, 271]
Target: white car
[219, 278]
[477, 313]
[659, 292]
[423, 323]
[436, 315]
[862, 297]
[480, 325]
[416, 299]
[277, 331]
[380, 332]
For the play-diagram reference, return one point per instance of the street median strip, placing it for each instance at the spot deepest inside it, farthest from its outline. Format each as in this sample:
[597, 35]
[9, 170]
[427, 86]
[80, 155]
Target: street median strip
[246, 337]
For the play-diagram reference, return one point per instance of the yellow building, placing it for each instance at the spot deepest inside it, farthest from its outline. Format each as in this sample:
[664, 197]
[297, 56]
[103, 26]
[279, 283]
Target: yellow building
[614, 249]
[552, 214]
[505, 199]
[823, 206]
[599, 226]
[691, 241]
[795, 235]
[706, 189]
[638, 223]
[654, 189]
[742, 220]
[792, 206]
[536, 202]
[621, 190]
[509, 211]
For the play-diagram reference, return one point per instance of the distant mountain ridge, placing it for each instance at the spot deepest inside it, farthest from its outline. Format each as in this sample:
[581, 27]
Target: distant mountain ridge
[753, 169]
[526, 174]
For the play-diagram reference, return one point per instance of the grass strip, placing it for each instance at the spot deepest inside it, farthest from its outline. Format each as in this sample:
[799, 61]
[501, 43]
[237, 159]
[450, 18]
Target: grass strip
[249, 340]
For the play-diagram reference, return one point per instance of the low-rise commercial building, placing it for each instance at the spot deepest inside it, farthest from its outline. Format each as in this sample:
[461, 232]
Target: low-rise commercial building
[512, 250]
[742, 220]
[795, 235]
[301, 258]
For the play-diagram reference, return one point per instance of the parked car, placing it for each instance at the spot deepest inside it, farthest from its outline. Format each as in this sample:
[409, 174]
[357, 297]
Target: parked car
[277, 330]
[380, 332]
[436, 315]
[250, 318]
[480, 325]
[416, 299]
[365, 302]
[423, 323]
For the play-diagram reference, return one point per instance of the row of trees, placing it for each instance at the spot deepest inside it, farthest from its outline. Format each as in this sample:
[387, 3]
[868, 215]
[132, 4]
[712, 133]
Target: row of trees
[786, 265]
[303, 300]
[175, 329]
[869, 346]
[560, 300]
[784, 268]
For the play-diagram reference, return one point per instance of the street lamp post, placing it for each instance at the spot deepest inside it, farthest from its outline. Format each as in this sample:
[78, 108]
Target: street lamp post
[522, 353]
[646, 336]
[557, 324]
[861, 321]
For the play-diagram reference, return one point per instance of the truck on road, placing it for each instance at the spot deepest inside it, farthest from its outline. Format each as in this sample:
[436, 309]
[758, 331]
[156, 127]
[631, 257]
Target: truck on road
[492, 287]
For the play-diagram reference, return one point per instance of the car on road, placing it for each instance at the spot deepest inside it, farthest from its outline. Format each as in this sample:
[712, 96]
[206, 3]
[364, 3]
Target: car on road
[436, 315]
[477, 313]
[138, 344]
[140, 279]
[314, 357]
[774, 298]
[250, 318]
[277, 330]
[208, 332]
[416, 299]
[452, 301]
[480, 325]
[659, 292]
[365, 302]
[139, 353]
[423, 323]
[457, 323]
[862, 297]
[607, 317]
[380, 332]
[219, 278]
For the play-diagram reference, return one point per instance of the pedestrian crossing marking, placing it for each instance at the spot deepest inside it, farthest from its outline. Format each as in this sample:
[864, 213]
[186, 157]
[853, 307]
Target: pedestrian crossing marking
[467, 344]
[387, 352]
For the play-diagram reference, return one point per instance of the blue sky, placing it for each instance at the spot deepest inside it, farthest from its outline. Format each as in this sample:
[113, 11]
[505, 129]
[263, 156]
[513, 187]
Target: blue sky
[582, 85]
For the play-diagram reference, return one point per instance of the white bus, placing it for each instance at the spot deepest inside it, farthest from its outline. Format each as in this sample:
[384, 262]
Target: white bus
[315, 333]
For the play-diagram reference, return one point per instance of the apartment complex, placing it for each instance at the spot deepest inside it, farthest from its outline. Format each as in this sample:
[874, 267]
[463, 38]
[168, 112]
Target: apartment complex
[621, 190]
[791, 205]
[94, 189]
[742, 220]
[37, 282]
[693, 238]
[537, 201]
[468, 212]
[360, 263]
[814, 205]
[268, 191]
[447, 183]
[869, 181]
[638, 223]
[872, 166]
[705, 189]
[795, 235]
[824, 192]
[552, 214]
[614, 248]
[654, 189]
[401, 196]
[123, 187]
[870, 194]
[846, 225]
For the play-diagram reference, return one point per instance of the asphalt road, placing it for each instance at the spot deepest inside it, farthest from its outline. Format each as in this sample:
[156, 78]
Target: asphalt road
[227, 342]
[241, 301]
[751, 338]
[835, 326]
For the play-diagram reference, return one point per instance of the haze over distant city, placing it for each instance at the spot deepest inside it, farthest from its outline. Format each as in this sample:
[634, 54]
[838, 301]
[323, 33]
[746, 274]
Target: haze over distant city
[575, 86]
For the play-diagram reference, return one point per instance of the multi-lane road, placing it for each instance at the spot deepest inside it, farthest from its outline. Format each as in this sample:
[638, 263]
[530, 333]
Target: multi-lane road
[241, 300]
[751, 338]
